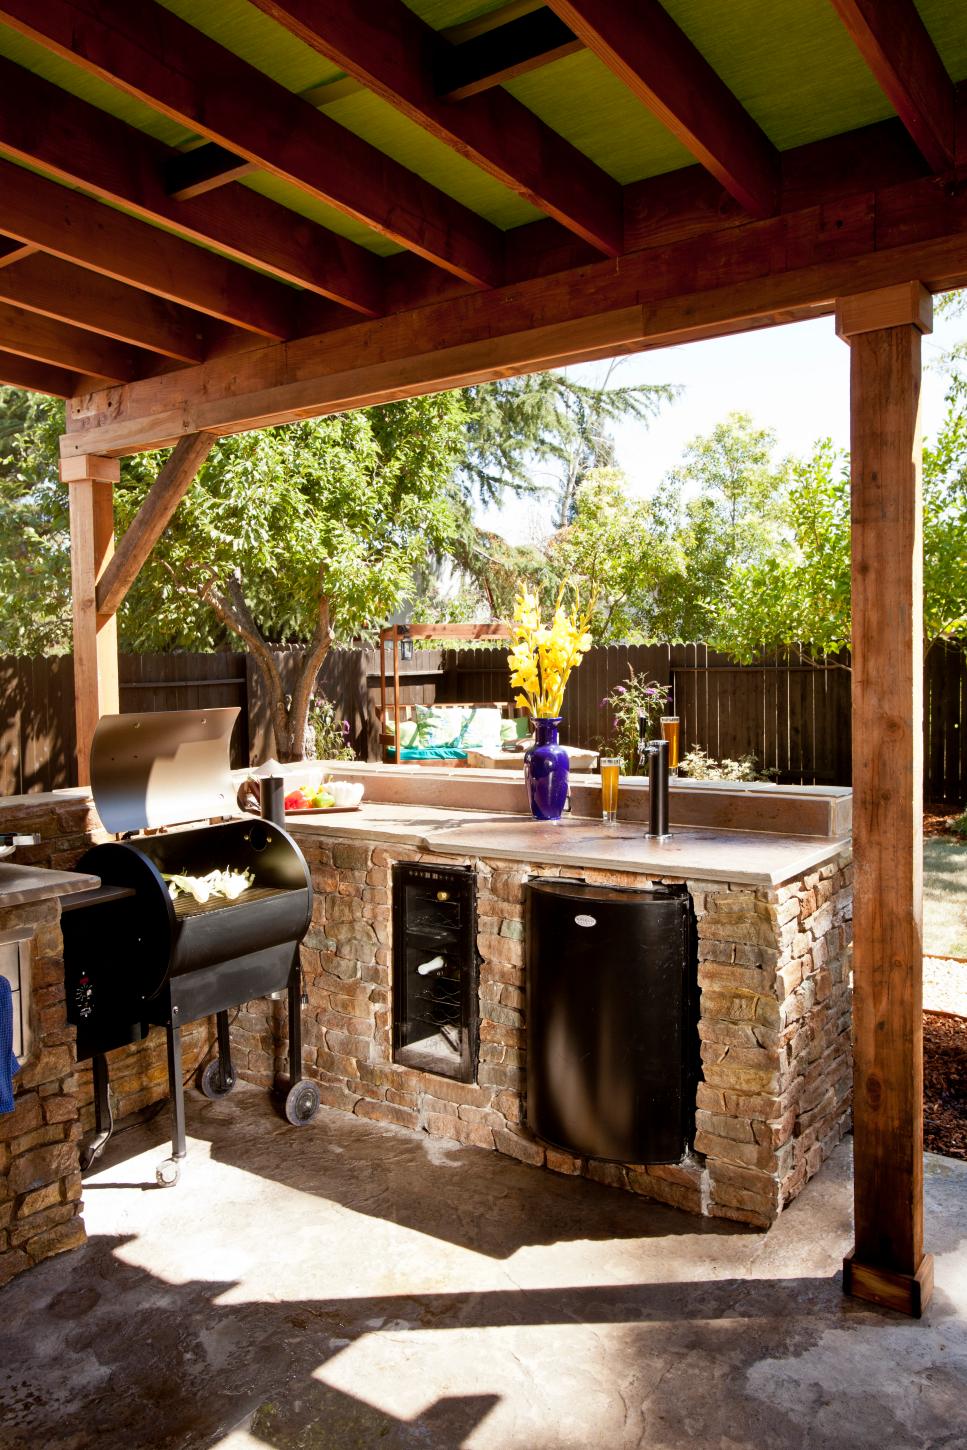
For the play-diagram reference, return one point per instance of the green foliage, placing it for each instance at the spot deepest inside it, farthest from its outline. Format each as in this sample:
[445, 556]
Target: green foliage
[699, 765]
[550, 422]
[326, 737]
[611, 544]
[959, 826]
[35, 609]
[716, 513]
[340, 508]
[798, 589]
[626, 705]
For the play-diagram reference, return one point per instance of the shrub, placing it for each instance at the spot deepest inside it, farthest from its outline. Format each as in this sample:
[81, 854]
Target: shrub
[698, 765]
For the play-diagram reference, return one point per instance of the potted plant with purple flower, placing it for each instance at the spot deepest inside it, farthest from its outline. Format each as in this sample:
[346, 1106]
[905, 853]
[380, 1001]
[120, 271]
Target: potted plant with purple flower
[626, 705]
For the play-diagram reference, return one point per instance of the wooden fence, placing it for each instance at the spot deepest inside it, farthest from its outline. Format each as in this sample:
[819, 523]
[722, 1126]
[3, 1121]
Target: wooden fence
[794, 718]
[37, 708]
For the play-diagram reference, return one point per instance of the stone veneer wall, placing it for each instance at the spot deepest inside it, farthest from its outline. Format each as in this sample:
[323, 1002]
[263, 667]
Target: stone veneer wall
[40, 1180]
[775, 1027]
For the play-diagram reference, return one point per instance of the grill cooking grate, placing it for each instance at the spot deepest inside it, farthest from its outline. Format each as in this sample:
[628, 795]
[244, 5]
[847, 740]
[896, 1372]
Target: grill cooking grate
[188, 906]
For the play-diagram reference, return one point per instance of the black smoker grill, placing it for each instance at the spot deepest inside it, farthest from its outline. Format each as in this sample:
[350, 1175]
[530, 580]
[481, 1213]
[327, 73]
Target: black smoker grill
[133, 957]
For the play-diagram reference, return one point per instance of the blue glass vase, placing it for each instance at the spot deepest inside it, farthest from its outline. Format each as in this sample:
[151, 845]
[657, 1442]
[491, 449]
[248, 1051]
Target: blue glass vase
[546, 768]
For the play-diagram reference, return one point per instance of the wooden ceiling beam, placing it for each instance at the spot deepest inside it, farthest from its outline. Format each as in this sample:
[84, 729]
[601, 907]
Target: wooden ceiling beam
[99, 304]
[640, 43]
[897, 47]
[79, 229]
[63, 346]
[738, 278]
[513, 49]
[23, 372]
[45, 126]
[395, 54]
[150, 53]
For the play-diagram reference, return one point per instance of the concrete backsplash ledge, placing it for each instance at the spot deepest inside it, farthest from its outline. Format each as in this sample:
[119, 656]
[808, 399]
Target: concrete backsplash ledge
[805, 810]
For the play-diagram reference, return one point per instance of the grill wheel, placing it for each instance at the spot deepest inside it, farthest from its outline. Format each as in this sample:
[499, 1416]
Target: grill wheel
[212, 1083]
[302, 1103]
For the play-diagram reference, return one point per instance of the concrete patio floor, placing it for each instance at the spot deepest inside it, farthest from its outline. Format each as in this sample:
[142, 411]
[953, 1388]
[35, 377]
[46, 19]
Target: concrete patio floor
[348, 1285]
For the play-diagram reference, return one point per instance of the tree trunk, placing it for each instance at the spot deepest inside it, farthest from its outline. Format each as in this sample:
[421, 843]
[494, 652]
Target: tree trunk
[289, 716]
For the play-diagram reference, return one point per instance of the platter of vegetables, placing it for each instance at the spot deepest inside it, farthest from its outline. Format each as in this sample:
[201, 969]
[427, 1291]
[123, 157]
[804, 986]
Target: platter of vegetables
[317, 798]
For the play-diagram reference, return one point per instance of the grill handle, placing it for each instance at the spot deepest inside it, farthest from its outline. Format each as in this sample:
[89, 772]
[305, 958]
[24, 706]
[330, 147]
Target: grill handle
[272, 799]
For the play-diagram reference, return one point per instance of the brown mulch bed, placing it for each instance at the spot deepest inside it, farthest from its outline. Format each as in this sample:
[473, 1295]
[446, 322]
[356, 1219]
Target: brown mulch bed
[937, 820]
[945, 1084]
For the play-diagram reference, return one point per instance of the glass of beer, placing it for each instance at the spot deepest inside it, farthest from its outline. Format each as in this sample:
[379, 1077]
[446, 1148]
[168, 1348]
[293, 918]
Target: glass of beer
[669, 732]
[610, 770]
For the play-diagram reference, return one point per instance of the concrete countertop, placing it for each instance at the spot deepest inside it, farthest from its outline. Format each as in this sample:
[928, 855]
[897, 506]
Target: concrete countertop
[22, 884]
[752, 858]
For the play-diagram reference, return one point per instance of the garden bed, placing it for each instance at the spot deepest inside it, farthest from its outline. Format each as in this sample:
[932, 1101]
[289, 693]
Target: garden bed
[945, 1084]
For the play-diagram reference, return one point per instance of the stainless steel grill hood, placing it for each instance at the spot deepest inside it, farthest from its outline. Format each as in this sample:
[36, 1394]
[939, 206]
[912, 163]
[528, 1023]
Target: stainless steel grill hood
[163, 768]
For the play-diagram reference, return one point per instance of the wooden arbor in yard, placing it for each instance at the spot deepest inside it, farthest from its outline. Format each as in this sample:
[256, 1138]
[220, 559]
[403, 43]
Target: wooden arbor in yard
[317, 205]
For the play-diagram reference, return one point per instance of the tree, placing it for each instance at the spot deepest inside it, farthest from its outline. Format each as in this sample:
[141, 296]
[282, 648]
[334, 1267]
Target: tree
[612, 544]
[799, 590]
[307, 533]
[517, 425]
[35, 602]
[715, 513]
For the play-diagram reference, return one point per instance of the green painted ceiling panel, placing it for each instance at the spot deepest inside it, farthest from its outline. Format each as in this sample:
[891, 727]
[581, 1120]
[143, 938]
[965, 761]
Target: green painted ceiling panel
[241, 28]
[579, 97]
[377, 122]
[947, 24]
[790, 63]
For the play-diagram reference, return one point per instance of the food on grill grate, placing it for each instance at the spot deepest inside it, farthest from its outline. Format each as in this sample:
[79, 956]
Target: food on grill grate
[228, 883]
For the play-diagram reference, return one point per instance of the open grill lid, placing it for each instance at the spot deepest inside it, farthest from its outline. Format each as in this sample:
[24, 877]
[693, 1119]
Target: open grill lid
[163, 768]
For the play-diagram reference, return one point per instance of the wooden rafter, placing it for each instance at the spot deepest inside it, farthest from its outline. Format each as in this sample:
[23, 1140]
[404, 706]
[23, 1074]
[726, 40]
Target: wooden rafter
[57, 289]
[151, 520]
[12, 251]
[63, 346]
[777, 270]
[897, 47]
[23, 372]
[81, 230]
[482, 53]
[45, 126]
[192, 173]
[642, 45]
[153, 55]
[388, 48]
[513, 49]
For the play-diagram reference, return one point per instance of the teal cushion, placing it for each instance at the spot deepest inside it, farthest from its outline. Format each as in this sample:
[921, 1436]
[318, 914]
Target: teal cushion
[431, 752]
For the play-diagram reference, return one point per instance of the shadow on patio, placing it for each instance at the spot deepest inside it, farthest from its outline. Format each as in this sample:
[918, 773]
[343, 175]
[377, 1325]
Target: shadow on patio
[349, 1285]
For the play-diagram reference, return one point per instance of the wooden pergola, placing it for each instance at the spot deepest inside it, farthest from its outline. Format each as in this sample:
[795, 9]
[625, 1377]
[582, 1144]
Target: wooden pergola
[303, 206]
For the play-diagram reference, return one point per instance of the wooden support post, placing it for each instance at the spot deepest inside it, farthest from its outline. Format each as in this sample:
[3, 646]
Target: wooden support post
[883, 328]
[91, 483]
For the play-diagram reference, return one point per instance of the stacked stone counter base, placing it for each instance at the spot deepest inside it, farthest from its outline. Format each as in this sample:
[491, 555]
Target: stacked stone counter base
[40, 1181]
[774, 1026]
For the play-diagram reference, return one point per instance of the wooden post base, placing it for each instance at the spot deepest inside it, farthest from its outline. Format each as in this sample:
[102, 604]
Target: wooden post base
[907, 1293]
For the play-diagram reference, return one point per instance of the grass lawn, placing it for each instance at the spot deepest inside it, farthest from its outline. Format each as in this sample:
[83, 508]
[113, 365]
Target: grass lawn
[944, 897]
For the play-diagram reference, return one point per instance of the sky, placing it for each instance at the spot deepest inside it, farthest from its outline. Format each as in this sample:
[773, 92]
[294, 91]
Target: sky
[792, 379]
